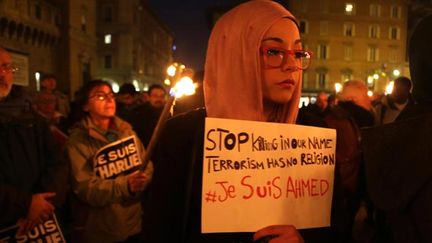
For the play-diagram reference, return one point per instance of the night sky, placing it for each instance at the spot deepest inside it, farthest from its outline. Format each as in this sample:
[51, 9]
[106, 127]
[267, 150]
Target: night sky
[187, 20]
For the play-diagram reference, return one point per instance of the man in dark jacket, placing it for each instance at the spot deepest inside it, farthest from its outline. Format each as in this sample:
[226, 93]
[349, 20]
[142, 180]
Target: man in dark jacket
[32, 176]
[398, 155]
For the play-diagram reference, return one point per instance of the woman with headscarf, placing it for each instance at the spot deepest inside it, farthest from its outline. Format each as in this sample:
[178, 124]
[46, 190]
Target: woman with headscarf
[253, 71]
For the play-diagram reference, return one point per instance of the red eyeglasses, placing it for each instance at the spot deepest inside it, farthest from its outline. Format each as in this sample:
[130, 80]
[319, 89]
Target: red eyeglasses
[276, 57]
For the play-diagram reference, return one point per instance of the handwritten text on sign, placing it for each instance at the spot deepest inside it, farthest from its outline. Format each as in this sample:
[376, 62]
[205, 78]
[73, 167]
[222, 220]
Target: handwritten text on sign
[257, 174]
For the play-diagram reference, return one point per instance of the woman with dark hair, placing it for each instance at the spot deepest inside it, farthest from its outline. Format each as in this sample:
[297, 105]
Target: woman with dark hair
[105, 155]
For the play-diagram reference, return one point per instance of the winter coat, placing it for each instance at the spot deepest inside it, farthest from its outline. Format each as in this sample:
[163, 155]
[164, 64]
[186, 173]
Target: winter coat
[104, 210]
[30, 159]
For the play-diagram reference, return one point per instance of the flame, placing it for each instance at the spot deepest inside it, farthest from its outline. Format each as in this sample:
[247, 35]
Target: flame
[183, 87]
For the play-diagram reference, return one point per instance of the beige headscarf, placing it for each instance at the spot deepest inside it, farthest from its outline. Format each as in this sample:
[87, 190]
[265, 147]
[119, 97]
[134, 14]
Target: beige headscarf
[232, 81]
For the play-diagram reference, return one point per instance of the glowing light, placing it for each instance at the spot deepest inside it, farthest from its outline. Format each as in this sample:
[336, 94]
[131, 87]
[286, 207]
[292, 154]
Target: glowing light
[396, 72]
[370, 93]
[171, 71]
[349, 7]
[107, 39]
[37, 77]
[370, 79]
[338, 87]
[389, 88]
[146, 87]
[183, 87]
[376, 76]
[136, 84]
[167, 82]
[115, 87]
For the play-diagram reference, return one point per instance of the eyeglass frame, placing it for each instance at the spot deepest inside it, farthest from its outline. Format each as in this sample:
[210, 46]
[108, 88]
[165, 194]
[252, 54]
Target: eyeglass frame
[102, 96]
[264, 49]
[8, 68]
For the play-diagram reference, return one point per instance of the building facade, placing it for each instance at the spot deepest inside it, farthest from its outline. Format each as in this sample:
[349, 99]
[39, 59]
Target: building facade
[31, 32]
[133, 44]
[352, 39]
[77, 50]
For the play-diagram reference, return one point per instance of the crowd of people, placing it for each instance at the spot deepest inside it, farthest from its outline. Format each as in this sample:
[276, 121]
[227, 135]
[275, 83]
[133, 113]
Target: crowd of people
[84, 161]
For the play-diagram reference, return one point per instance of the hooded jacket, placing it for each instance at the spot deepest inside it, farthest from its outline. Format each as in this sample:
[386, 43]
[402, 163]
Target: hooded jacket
[105, 210]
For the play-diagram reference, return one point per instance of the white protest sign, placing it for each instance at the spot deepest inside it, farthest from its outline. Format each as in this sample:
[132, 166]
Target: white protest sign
[48, 231]
[116, 158]
[257, 174]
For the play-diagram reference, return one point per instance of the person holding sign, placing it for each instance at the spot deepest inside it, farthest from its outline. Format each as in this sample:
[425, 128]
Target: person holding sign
[105, 155]
[253, 71]
[33, 175]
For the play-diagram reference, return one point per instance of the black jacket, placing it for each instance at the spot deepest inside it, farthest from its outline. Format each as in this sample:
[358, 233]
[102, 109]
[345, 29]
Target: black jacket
[29, 158]
[172, 211]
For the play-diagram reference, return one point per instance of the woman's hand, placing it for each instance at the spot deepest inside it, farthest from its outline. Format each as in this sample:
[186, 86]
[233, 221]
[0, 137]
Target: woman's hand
[137, 181]
[281, 234]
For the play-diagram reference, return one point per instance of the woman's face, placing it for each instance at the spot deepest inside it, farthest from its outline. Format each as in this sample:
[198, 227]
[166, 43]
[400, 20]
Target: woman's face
[281, 71]
[101, 104]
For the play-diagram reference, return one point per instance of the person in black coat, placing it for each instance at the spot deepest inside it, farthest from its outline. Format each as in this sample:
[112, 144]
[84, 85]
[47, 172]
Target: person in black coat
[398, 155]
[33, 175]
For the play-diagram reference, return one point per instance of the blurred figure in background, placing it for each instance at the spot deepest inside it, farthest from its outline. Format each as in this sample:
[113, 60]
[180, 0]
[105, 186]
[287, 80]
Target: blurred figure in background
[147, 115]
[49, 85]
[127, 102]
[319, 107]
[393, 104]
[353, 111]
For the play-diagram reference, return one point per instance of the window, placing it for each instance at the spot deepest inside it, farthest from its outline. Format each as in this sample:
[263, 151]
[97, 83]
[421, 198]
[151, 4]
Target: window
[83, 23]
[349, 29]
[395, 12]
[321, 80]
[348, 52]
[393, 55]
[346, 74]
[350, 9]
[372, 54]
[107, 13]
[303, 27]
[324, 6]
[346, 77]
[107, 39]
[38, 11]
[375, 10]
[374, 31]
[323, 27]
[303, 6]
[394, 33]
[108, 61]
[323, 52]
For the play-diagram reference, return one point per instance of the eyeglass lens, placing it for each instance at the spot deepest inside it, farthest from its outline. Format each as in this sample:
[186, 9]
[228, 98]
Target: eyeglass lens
[7, 68]
[103, 96]
[276, 57]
